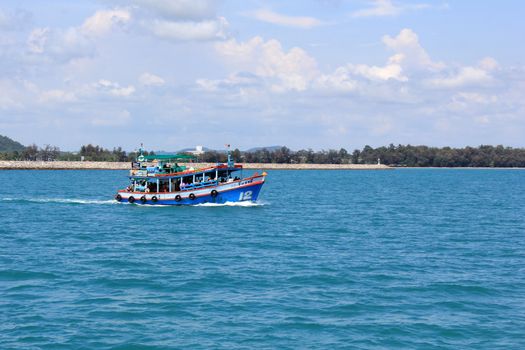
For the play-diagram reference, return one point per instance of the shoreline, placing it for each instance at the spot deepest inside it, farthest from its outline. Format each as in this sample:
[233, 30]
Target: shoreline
[87, 165]
[74, 165]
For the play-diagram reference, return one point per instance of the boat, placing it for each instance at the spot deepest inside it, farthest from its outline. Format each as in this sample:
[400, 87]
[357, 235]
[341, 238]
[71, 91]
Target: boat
[160, 180]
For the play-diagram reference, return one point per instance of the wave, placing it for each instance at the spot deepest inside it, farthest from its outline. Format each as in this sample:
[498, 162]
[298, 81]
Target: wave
[61, 200]
[233, 204]
[112, 201]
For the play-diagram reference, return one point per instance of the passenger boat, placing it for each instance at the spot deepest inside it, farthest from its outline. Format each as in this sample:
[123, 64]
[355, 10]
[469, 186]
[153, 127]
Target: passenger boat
[160, 180]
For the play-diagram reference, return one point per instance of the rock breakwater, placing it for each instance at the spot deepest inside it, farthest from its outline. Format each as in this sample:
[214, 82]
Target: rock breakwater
[67, 165]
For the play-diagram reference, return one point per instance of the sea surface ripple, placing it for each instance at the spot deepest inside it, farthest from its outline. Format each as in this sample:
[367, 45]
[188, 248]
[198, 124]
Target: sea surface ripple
[403, 259]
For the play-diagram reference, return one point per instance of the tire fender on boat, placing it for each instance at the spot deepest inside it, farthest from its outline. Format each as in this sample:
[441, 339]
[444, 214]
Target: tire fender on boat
[131, 199]
[192, 196]
[214, 193]
[178, 198]
[118, 197]
[143, 199]
[154, 199]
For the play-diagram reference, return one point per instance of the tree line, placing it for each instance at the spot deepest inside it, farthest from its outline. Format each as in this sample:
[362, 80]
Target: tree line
[400, 155]
[87, 152]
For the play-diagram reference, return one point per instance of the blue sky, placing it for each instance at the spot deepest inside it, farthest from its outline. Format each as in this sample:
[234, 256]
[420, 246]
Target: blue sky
[319, 73]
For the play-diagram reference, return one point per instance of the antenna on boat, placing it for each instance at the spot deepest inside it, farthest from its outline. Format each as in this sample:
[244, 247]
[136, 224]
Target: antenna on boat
[230, 160]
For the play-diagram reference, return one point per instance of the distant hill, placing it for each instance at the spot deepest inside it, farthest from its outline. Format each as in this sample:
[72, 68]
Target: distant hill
[268, 148]
[9, 145]
[206, 149]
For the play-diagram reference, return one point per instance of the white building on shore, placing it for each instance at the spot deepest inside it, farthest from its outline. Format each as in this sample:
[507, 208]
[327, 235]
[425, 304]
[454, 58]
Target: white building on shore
[198, 151]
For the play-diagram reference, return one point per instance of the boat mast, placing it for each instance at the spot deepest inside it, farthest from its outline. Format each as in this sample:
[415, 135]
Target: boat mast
[230, 161]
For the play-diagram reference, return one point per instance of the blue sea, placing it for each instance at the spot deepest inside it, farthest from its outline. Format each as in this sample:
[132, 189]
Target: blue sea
[402, 259]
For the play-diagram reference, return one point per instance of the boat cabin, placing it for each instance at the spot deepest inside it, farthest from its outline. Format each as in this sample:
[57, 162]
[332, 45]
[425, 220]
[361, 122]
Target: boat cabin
[162, 173]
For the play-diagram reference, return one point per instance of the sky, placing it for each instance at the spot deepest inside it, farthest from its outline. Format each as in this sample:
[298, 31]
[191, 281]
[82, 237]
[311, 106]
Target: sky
[314, 74]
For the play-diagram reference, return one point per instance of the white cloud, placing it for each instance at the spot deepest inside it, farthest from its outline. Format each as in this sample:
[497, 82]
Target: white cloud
[179, 9]
[208, 84]
[488, 64]
[37, 40]
[385, 8]
[181, 20]
[113, 88]
[390, 71]
[149, 79]
[463, 101]
[102, 22]
[211, 29]
[340, 80]
[59, 45]
[293, 70]
[243, 81]
[464, 77]
[75, 42]
[409, 52]
[57, 95]
[269, 16]
[473, 97]
[379, 8]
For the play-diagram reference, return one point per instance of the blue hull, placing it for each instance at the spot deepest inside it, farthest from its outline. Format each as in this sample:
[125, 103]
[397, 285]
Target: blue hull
[244, 194]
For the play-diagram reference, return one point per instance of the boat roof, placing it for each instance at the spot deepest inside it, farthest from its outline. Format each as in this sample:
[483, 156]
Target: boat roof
[220, 167]
[168, 157]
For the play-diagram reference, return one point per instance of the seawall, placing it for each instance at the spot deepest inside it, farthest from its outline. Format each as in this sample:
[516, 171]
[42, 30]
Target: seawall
[66, 165]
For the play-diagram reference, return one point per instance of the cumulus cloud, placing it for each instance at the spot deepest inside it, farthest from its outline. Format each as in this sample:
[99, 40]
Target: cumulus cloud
[113, 88]
[269, 16]
[379, 8]
[464, 100]
[242, 80]
[390, 71]
[466, 76]
[340, 80]
[488, 64]
[292, 70]
[59, 45]
[74, 42]
[383, 8]
[212, 29]
[102, 22]
[181, 20]
[37, 40]
[479, 75]
[179, 9]
[149, 79]
[295, 69]
[409, 51]
[57, 95]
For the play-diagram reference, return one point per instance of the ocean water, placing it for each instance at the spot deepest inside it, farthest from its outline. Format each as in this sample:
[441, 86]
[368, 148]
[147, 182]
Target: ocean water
[403, 259]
